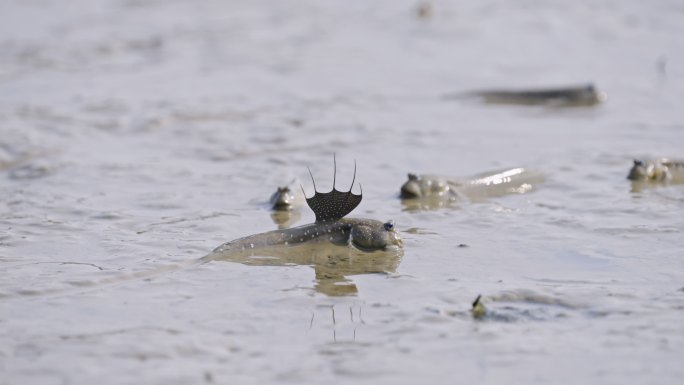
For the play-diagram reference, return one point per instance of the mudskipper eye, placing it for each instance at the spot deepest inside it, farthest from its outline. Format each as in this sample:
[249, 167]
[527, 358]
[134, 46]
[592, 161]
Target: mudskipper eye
[389, 225]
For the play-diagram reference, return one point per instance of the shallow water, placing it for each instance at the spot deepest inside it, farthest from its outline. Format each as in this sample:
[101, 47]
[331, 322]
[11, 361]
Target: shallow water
[139, 134]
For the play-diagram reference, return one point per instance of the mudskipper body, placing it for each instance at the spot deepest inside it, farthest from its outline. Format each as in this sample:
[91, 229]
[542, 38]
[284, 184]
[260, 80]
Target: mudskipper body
[432, 191]
[572, 96]
[335, 246]
[655, 172]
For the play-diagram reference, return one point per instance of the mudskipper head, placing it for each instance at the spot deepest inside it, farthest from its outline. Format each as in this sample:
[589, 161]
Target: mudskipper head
[334, 204]
[639, 171]
[375, 235]
[587, 95]
[283, 199]
[411, 189]
[419, 187]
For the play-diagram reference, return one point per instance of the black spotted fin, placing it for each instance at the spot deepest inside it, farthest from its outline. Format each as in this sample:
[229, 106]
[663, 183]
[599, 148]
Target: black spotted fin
[334, 204]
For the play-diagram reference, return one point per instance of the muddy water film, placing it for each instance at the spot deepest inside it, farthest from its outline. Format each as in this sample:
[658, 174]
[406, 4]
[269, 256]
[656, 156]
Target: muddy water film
[137, 136]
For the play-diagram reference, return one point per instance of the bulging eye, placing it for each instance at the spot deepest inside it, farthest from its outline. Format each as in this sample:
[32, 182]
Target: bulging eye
[389, 225]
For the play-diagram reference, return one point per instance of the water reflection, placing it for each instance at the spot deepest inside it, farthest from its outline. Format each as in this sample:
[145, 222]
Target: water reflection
[430, 203]
[285, 219]
[332, 264]
[639, 186]
[644, 186]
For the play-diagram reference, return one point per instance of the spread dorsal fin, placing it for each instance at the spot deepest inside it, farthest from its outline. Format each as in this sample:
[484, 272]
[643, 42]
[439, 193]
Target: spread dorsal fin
[334, 204]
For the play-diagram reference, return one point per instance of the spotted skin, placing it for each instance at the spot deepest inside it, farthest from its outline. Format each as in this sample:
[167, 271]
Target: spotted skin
[335, 250]
[330, 226]
[334, 204]
[363, 234]
[333, 245]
